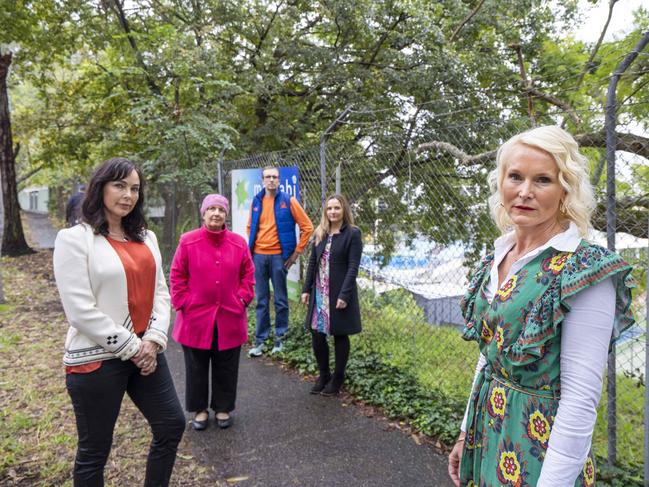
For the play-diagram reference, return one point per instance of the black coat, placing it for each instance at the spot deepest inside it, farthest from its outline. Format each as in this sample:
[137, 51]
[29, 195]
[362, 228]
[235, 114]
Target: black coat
[344, 260]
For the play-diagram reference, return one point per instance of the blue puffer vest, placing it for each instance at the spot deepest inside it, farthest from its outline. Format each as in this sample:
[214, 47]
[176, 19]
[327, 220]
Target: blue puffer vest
[283, 219]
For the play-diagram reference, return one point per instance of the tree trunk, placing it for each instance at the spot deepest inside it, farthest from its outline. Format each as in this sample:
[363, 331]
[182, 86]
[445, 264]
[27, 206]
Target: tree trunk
[13, 240]
[2, 293]
[170, 218]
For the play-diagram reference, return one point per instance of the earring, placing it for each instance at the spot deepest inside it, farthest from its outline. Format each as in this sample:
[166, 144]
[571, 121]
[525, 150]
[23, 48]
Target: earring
[562, 207]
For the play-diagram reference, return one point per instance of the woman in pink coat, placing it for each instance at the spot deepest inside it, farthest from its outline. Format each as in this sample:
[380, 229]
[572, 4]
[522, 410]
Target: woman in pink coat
[212, 282]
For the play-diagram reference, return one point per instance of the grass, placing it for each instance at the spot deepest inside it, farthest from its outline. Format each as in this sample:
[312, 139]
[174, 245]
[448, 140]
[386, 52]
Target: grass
[38, 440]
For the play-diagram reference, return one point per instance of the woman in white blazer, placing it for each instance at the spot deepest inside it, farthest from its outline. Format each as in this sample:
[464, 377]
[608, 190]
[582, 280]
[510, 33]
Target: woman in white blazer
[108, 270]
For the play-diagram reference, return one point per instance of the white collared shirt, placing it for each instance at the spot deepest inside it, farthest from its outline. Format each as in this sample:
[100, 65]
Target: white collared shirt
[582, 361]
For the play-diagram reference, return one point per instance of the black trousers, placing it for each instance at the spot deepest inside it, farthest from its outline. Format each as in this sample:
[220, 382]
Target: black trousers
[321, 352]
[97, 398]
[225, 375]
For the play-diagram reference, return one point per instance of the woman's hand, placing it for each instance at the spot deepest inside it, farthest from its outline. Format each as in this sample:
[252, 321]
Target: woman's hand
[304, 299]
[146, 357]
[454, 460]
[340, 304]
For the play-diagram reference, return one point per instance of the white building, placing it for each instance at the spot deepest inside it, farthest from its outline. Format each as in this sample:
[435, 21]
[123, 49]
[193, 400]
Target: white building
[34, 198]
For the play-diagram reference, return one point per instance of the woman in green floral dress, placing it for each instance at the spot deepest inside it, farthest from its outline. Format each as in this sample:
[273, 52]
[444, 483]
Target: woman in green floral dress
[544, 307]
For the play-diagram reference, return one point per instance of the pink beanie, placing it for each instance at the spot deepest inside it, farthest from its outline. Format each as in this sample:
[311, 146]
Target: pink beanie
[215, 200]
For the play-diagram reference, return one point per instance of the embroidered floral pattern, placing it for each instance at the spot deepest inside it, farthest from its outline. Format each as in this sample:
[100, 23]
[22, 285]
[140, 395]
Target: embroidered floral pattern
[589, 473]
[555, 263]
[499, 337]
[509, 468]
[506, 290]
[497, 402]
[538, 428]
[486, 333]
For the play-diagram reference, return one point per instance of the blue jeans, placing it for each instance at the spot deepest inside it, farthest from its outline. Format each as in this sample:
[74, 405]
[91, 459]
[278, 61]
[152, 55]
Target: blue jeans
[270, 267]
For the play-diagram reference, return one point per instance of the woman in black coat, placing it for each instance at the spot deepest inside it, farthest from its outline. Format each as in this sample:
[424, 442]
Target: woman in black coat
[330, 291]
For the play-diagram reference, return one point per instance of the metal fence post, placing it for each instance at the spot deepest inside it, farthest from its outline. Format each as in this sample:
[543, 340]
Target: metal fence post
[338, 174]
[611, 226]
[219, 172]
[323, 169]
[646, 374]
[323, 160]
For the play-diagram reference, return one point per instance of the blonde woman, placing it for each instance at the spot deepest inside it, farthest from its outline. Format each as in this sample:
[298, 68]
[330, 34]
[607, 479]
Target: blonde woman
[330, 291]
[530, 303]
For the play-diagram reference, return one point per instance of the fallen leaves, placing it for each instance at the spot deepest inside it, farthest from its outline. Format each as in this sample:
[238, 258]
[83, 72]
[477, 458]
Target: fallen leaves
[39, 432]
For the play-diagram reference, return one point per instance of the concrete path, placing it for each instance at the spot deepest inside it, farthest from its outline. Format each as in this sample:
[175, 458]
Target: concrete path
[41, 231]
[284, 436]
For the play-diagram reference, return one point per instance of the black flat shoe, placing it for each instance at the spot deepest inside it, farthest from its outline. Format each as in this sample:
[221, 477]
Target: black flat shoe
[320, 384]
[199, 425]
[332, 388]
[224, 423]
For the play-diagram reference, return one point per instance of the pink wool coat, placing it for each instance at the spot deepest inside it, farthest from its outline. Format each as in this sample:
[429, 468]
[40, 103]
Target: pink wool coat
[212, 281]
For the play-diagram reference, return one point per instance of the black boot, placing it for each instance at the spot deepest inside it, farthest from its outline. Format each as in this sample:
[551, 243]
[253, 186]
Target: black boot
[320, 384]
[333, 386]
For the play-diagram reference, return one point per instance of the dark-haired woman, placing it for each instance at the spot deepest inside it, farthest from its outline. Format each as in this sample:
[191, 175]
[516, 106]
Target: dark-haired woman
[109, 275]
[330, 291]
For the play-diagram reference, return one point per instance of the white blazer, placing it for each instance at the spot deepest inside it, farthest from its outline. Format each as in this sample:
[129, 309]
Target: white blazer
[92, 285]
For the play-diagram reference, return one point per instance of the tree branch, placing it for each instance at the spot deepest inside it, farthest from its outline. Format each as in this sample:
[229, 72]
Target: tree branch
[464, 158]
[264, 34]
[588, 65]
[555, 101]
[121, 16]
[465, 21]
[24, 178]
[635, 144]
[527, 84]
[377, 48]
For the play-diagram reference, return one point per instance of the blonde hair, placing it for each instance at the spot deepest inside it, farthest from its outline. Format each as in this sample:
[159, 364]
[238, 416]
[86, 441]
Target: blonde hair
[323, 228]
[578, 202]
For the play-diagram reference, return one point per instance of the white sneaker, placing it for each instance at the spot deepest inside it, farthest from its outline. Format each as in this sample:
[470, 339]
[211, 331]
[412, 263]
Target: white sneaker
[257, 351]
[279, 346]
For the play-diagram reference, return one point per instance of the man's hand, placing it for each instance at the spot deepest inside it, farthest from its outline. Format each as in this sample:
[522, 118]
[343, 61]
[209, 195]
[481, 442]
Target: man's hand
[305, 298]
[291, 260]
[340, 304]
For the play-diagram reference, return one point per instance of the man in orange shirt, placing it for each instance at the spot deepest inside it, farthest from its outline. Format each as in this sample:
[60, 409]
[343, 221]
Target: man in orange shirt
[271, 230]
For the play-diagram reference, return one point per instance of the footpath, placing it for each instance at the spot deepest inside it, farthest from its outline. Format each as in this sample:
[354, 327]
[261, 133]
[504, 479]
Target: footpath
[284, 436]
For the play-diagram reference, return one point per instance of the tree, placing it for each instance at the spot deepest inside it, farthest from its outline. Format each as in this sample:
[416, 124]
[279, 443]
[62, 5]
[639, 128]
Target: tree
[13, 238]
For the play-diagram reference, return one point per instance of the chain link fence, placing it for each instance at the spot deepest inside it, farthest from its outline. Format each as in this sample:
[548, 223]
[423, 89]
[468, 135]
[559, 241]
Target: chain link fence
[421, 202]
[419, 194]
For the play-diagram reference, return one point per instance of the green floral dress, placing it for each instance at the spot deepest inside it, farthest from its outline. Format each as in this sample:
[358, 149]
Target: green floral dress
[516, 396]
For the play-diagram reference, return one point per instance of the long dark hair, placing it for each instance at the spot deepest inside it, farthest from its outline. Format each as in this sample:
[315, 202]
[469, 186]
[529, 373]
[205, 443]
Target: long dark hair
[114, 169]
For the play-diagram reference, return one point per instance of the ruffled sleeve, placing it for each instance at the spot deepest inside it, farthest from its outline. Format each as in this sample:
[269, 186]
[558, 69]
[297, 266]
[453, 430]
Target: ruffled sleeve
[587, 266]
[592, 264]
[467, 303]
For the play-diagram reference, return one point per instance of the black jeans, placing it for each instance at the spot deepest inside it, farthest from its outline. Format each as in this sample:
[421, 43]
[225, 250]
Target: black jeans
[97, 398]
[225, 375]
[321, 352]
